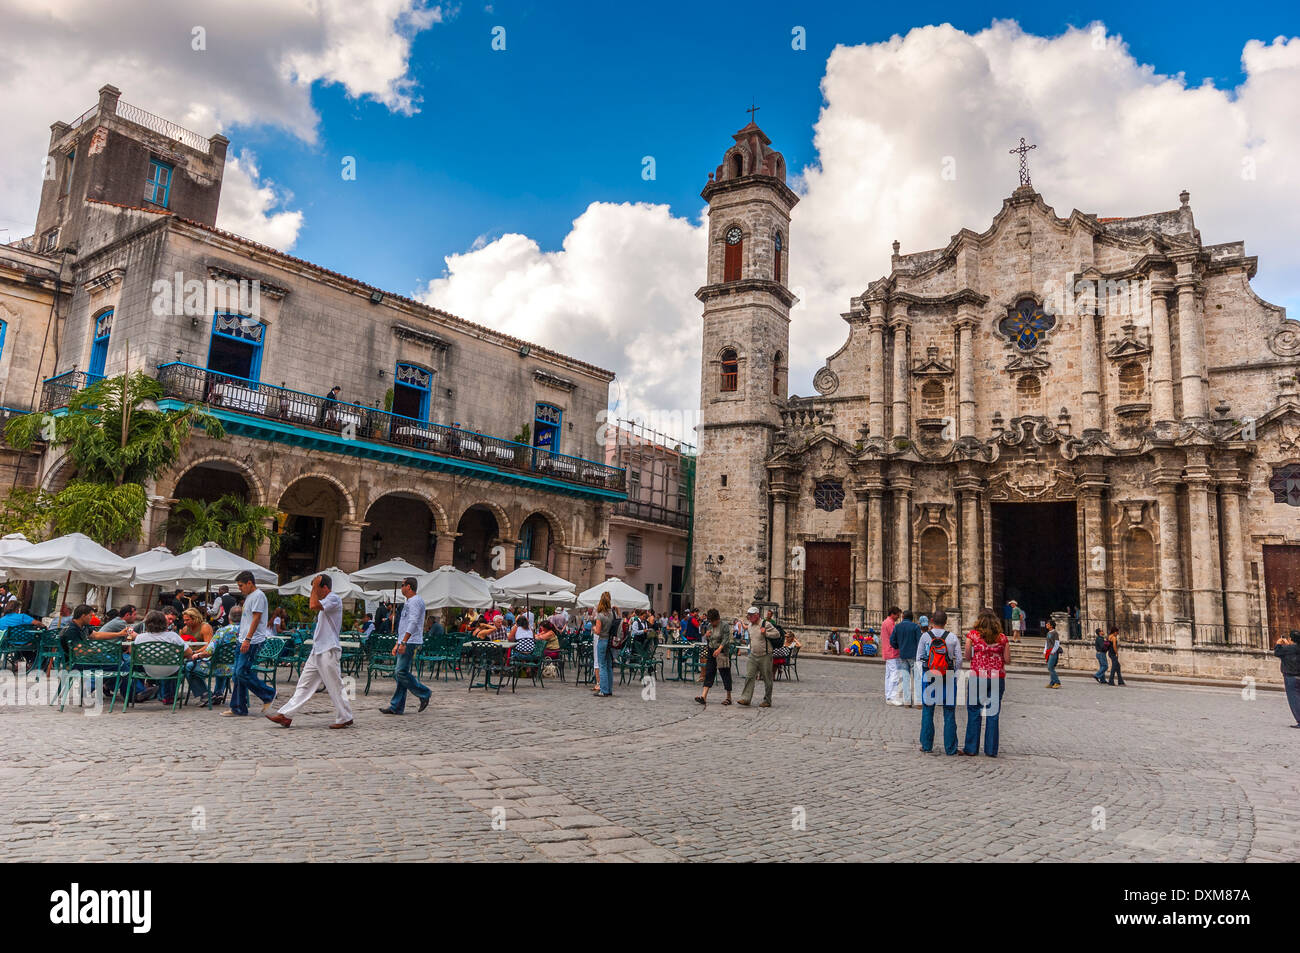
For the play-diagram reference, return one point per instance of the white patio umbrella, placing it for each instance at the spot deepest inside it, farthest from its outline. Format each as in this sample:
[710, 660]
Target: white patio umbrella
[621, 595]
[203, 565]
[12, 543]
[556, 599]
[530, 580]
[147, 560]
[391, 572]
[60, 559]
[344, 587]
[449, 588]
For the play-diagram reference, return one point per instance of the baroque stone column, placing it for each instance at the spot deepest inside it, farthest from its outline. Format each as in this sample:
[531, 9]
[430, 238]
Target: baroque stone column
[902, 371]
[160, 509]
[1191, 342]
[1090, 369]
[777, 577]
[965, 371]
[263, 557]
[876, 372]
[875, 551]
[1166, 481]
[1234, 556]
[1096, 554]
[971, 555]
[901, 584]
[860, 550]
[1206, 597]
[1162, 367]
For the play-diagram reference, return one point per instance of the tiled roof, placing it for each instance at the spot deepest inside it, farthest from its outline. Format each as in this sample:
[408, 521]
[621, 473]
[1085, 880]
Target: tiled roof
[438, 312]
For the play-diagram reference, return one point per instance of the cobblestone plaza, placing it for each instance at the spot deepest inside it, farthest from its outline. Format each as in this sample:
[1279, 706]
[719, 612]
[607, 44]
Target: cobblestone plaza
[1148, 773]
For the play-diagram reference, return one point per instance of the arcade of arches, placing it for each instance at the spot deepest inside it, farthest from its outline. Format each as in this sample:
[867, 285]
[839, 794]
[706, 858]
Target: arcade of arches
[352, 515]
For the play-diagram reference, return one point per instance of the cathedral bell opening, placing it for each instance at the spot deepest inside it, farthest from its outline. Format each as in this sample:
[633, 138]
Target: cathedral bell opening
[1035, 560]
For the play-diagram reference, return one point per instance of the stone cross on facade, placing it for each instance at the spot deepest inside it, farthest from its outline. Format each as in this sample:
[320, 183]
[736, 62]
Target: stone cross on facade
[754, 108]
[1024, 161]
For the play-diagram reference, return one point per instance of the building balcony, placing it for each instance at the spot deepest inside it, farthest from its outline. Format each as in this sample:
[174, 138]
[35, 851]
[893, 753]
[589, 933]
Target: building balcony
[250, 408]
[653, 513]
[57, 391]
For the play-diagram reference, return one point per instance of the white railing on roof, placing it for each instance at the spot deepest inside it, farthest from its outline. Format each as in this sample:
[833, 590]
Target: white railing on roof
[162, 126]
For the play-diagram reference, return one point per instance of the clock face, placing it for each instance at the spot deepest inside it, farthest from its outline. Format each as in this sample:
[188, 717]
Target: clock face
[734, 235]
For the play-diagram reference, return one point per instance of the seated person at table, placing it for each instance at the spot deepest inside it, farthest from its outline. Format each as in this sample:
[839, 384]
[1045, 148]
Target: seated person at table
[367, 626]
[126, 623]
[197, 669]
[546, 632]
[521, 635]
[833, 642]
[155, 630]
[78, 628]
[782, 655]
[13, 616]
[194, 628]
[487, 631]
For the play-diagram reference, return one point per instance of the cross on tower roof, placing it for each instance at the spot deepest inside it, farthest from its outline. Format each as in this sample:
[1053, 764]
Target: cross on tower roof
[1024, 161]
[752, 109]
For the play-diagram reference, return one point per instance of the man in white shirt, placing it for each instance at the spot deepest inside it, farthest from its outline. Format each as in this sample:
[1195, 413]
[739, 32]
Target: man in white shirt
[252, 633]
[410, 636]
[322, 667]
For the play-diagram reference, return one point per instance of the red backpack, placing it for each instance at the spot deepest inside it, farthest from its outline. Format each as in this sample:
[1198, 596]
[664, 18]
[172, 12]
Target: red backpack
[936, 658]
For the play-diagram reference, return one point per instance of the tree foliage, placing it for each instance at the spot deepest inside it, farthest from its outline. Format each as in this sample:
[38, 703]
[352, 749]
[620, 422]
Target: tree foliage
[114, 432]
[106, 512]
[28, 512]
[231, 522]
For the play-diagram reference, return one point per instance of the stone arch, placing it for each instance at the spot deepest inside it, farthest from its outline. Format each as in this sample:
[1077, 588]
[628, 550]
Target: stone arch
[59, 473]
[556, 524]
[402, 522]
[504, 524]
[315, 507]
[442, 522]
[351, 508]
[478, 530]
[225, 462]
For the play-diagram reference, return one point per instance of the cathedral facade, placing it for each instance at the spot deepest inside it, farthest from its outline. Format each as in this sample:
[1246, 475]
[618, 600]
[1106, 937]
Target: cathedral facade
[1093, 416]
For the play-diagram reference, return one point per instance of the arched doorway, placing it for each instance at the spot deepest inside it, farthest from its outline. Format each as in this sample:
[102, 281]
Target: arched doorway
[536, 543]
[207, 483]
[400, 524]
[309, 536]
[479, 532]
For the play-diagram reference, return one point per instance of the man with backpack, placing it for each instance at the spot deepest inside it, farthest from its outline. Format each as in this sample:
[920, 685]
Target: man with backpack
[760, 658]
[939, 655]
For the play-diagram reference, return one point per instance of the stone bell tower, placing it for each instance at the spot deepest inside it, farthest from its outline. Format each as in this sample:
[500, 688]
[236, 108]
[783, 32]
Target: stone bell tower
[744, 360]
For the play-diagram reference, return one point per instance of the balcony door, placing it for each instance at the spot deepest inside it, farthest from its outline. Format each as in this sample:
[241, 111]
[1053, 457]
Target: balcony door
[99, 347]
[411, 386]
[236, 346]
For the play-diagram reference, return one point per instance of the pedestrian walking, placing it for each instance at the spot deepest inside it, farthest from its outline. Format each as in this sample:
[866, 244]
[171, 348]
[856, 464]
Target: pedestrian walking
[1052, 653]
[410, 635]
[1099, 645]
[907, 639]
[1112, 652]
[889, 652]
[987, 648]
[718, 659]
[1288, 651]
[939, 655]
[760, 660]
[322, 666]
[603, 629]
[252, 633]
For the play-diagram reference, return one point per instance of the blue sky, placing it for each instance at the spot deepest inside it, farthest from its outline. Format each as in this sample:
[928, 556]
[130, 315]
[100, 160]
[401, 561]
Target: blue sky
[523, 140]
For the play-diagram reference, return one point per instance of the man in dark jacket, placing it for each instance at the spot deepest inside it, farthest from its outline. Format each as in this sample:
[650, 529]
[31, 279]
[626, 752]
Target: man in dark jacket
[905, 637]
[1288, 650]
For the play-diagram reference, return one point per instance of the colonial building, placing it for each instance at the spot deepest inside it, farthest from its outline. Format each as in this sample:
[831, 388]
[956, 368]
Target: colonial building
[447, 442]
[1075, 412]
[649, 531]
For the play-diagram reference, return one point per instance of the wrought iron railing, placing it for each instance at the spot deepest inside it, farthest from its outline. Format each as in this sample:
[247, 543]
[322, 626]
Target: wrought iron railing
[57, 391]
[7, 414]
[162, 126]
[1230, 636]
[653, 513]
[357, 422]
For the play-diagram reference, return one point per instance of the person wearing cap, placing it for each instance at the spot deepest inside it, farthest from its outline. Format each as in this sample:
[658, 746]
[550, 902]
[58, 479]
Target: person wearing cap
[1017, 620]
[760, 659]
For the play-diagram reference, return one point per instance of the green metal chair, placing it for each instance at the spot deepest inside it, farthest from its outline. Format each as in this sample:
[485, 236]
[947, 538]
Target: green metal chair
[529, 664]
[24, 640]
[100, 657]
[220, 665]
[382, 660]
[155, 654]
[267, 663]
[583, 664]
[50, 651]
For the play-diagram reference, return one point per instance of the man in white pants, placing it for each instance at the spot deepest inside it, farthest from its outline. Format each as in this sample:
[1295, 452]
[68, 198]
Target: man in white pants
[323, 665]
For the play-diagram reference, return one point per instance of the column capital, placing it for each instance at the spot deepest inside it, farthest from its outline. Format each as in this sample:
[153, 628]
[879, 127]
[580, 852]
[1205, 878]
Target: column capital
[781, 494]
[965, 322]
[876, 310]
[1160, 287]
